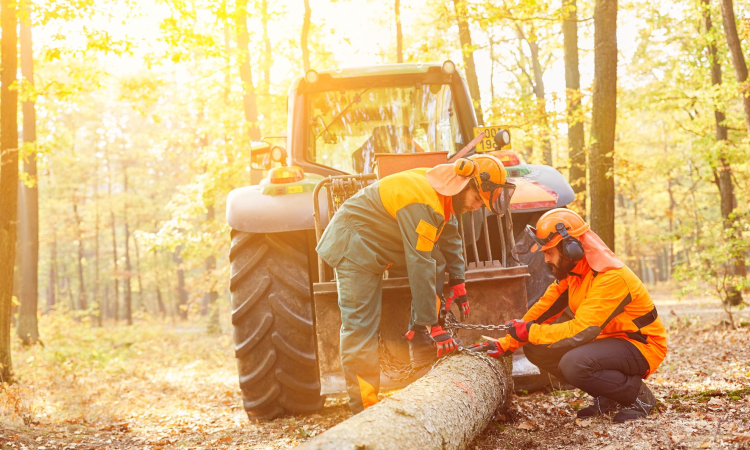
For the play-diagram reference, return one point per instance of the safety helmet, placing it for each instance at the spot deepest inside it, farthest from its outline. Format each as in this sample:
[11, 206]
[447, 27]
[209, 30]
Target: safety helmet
[548, 232]
[490, 177]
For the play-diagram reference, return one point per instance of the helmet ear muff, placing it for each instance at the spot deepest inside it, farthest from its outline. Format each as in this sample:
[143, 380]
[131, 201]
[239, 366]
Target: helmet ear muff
[571, 247]
[465, 167]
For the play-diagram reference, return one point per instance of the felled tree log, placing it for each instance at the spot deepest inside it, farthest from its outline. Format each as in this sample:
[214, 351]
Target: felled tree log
[445, 409]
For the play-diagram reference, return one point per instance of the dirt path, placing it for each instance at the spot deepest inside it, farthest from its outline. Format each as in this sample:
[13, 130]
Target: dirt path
[155, 386]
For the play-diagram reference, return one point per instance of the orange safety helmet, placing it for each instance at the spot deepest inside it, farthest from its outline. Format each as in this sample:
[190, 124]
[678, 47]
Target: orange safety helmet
[490, 176]
[546, 234]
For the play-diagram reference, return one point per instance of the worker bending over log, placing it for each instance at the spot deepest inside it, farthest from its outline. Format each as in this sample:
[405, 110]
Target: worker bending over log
[399, 220]
[616, 339]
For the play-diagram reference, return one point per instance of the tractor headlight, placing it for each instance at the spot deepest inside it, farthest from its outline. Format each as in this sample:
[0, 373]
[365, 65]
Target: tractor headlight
[449, 67]
[311, 77]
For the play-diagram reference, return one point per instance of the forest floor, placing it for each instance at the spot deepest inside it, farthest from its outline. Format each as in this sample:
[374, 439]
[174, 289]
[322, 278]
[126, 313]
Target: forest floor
[174, 386]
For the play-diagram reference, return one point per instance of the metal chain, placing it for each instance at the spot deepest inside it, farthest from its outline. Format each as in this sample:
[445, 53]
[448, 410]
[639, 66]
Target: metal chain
[399, 371]
[451, 323]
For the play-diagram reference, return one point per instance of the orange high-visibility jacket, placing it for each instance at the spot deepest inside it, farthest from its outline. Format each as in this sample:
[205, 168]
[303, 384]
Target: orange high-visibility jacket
[611, 304]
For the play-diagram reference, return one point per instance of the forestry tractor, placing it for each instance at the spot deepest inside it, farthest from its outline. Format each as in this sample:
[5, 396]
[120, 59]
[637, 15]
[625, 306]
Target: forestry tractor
[346, 128]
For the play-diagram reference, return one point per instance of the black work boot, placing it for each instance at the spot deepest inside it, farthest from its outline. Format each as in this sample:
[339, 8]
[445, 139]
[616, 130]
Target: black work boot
[601, 406]
[640, 408]
[421, 349]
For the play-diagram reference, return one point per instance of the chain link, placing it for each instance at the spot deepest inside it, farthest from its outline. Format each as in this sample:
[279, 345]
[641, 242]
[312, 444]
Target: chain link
[399, 371]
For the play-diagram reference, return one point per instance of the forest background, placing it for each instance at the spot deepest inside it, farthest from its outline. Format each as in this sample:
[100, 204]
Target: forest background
[136, 118]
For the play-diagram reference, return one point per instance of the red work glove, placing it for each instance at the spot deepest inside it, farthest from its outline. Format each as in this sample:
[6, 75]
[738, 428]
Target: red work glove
[442, 340]
[458, 292]
[519, 329]
[493, 348]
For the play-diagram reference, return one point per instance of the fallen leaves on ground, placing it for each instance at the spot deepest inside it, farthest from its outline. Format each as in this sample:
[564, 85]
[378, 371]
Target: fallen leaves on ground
[157, 387]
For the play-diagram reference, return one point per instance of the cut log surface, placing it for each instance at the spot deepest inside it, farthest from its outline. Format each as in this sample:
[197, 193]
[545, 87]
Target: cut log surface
[445, 409]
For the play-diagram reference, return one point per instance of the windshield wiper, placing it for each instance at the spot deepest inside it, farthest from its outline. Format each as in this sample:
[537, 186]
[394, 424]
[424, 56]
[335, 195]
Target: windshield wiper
[356, 99]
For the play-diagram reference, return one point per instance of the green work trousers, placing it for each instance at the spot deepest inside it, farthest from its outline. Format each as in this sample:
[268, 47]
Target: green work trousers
[360, 294]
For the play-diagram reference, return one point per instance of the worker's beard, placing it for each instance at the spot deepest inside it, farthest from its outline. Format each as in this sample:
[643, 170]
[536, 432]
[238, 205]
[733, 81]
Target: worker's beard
[563, 267]
[460, 200]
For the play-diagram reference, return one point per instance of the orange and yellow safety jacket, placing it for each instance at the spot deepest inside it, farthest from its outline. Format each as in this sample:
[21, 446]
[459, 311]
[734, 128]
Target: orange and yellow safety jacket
[611, 304]
[396, 224]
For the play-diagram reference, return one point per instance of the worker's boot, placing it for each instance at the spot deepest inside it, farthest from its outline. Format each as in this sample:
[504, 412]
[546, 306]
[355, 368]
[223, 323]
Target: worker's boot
[421, 349]
[601, 406]
[640, 408]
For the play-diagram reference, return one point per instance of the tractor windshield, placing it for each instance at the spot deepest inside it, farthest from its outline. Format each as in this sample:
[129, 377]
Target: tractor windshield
[347, 127]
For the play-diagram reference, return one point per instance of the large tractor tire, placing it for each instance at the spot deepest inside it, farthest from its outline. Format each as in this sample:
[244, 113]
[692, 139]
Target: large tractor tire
[273, 324]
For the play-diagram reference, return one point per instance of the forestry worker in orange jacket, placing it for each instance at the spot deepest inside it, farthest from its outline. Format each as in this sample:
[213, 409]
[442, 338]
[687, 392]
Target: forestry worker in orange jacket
[616, 338]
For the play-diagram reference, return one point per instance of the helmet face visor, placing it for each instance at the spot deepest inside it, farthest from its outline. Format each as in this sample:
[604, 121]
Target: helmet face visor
[536, 242]
[500, 198]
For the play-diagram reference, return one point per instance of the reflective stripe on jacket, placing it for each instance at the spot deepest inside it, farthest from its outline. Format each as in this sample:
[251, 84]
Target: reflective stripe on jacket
[611, 304]
[397, 221]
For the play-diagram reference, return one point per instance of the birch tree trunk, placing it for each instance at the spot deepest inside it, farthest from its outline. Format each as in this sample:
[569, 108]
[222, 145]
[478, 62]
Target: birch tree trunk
[446, 409]
[303, 37]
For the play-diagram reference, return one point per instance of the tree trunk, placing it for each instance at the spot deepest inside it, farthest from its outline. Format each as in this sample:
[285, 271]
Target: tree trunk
[211, 307]
[128, 269]
[467, 50]
[246, 75]
[142, 302]
[82, 303]
[604, 118]
[267, 53]
[97, 297]
[540, 100]
[399, 35]
[576, 136]
[738, 58]
[115, 269]
[8, 177]
[723, 173]
[52, 288]
[446, 409]
[28, 329]
[304, 36]
[182, 297]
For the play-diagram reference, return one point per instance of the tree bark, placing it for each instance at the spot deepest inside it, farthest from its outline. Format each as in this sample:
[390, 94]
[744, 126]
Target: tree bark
[246, 74]
[541, 102]
[128, 269]
[267, 53]
[399, 35]
[211, 296]
[182, 297]
[52, 288]
[723, 173]
[115, 269]
[604, 118]
[446, 409]
[303, 38]
[141, 301]
[97, 297]
[82, 303]
[738, 57]
[467, 50]
[28, 329]
[8, 177]
[576, 136]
